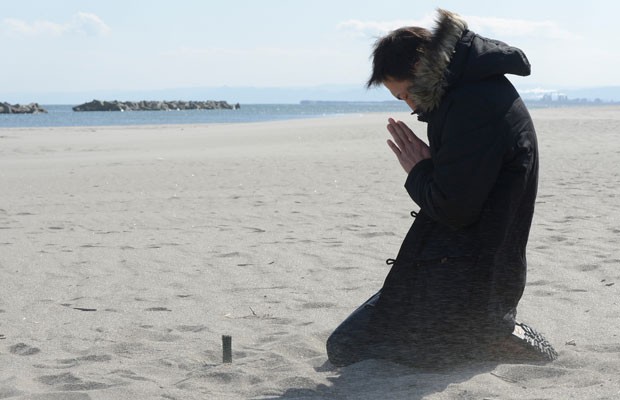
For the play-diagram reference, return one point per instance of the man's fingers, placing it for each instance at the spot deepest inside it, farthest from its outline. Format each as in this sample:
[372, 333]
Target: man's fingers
[405, 143]
[409, 148]
[399, 137]
[411, 136]
[407, 132]
[394, 148]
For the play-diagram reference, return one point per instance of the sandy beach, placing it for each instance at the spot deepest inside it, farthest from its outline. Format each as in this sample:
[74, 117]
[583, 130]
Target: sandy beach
[127, 252]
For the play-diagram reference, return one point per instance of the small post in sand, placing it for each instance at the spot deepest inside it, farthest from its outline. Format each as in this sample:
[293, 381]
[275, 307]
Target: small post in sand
[226, 348]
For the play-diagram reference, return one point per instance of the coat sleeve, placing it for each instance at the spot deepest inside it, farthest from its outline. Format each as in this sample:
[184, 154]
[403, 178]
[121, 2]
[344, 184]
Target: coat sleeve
[453, 186]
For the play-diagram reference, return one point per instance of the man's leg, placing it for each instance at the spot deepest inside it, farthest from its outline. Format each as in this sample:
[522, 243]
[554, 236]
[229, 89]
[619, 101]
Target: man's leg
[353, 340]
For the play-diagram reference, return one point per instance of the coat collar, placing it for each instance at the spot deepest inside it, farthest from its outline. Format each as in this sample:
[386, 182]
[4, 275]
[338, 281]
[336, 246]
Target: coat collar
[430, 77]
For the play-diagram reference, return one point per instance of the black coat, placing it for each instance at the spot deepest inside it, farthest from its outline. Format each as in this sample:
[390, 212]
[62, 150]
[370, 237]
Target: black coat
[462, 265]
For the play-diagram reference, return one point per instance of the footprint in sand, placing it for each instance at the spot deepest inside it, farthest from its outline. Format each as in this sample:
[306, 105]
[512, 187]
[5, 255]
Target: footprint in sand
[69, 382]
[587, 267]
[22, 349]
[540, 282]
[524, 373]
[129, 349]
[57, 396]
[191, 328]
[316, 305]
[605, 348]
[71, 362]
[376, 234]
[128, 374]
[158, 309]
[544, 293]
[65, 363]
[224, 378]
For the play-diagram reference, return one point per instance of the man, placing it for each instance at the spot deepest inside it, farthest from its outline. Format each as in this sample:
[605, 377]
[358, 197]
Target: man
[453, 289]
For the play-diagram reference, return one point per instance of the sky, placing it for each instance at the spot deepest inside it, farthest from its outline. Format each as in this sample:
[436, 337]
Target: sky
[83, 45]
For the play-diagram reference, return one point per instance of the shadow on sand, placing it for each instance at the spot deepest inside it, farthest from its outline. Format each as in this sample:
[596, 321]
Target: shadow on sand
[378, 379]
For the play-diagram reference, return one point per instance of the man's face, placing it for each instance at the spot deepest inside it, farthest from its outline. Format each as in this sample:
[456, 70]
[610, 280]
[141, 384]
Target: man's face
[400, 90]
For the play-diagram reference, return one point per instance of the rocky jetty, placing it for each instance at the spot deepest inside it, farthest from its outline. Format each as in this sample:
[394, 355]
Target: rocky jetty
[98, 105]
[32, 108]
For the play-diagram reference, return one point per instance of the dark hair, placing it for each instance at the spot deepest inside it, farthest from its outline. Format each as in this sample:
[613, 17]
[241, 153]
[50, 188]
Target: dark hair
[395, 54]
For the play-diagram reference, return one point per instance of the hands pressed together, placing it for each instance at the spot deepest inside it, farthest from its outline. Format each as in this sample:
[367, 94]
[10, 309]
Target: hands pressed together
[409, 148]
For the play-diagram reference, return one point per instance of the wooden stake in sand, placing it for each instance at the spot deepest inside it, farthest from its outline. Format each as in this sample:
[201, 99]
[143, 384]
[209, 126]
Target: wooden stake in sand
[226, 348]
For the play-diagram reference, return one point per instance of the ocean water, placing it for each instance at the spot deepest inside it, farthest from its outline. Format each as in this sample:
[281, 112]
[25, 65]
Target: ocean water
[63, 115]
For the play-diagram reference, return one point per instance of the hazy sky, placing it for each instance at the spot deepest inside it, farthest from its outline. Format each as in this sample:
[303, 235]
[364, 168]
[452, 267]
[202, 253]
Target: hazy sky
[75, 45]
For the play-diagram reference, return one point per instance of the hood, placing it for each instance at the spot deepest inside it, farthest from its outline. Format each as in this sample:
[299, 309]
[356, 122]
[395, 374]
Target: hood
[457, 55]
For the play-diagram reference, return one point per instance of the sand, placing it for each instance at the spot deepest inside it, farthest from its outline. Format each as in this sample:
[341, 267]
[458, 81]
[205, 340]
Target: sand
[127, 252]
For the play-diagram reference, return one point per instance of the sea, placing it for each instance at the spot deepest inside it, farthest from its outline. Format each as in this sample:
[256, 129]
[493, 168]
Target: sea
[63, 115]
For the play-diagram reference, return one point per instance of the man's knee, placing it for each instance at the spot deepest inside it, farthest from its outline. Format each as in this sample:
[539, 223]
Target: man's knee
[336, 350]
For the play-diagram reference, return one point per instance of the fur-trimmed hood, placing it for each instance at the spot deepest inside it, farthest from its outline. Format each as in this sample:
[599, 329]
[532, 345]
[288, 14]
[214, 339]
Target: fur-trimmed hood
[457, 55]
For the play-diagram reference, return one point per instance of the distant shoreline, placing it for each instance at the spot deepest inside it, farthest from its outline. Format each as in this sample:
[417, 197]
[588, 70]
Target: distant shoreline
[95, 123]
[529, 103]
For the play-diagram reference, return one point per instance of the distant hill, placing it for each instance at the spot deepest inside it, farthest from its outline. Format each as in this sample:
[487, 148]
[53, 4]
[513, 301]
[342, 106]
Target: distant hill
[609, 93]
[603, 94]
